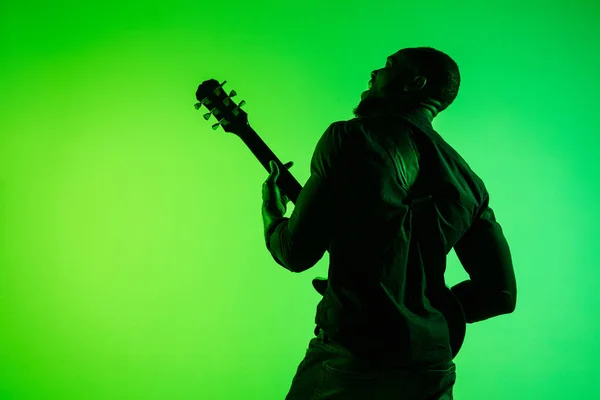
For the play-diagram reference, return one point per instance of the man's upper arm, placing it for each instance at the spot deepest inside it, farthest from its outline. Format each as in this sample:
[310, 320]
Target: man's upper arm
[485, 255]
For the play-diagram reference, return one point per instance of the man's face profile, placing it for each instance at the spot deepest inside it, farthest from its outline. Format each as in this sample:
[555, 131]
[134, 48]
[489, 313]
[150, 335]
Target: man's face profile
[376, 98]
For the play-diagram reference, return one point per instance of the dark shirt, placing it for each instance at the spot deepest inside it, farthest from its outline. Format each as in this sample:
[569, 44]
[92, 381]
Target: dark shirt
[354, 205]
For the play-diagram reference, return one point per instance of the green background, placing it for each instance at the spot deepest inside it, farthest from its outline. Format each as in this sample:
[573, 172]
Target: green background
[132, 261]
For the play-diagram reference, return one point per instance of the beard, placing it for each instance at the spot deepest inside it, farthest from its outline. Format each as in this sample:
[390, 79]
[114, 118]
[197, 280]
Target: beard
[374, 105]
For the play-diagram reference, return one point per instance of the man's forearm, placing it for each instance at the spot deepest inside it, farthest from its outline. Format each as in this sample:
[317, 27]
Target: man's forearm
[271, 221]
[269, 217]
[480, 304]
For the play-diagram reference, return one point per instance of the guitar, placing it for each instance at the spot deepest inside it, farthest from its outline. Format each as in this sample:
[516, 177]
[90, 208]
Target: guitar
[234, 120]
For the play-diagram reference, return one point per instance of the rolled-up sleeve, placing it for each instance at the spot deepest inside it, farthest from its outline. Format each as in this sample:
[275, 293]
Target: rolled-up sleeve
[297, 243]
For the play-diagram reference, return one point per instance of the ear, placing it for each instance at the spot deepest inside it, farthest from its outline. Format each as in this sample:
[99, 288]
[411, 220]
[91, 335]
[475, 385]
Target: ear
[416, 84]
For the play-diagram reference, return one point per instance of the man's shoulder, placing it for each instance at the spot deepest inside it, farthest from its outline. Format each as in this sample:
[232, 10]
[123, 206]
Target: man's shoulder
[337, 131]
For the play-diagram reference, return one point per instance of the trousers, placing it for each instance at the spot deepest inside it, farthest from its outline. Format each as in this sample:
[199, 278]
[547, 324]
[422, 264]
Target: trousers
[331, 372]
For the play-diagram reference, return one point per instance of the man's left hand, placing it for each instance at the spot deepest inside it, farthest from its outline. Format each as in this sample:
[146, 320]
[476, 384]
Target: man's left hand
[274, 203]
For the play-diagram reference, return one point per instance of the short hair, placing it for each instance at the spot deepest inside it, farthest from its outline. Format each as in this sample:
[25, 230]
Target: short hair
[443, 75]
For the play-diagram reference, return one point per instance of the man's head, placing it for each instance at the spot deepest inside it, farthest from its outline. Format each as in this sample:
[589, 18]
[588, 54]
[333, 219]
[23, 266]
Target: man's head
[412, 77]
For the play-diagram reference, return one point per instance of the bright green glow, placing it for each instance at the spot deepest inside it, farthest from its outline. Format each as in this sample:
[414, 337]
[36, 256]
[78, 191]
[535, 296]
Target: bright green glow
[132, 263]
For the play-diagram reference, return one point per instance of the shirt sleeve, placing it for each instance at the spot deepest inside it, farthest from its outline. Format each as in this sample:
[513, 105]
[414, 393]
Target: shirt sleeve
[299, 242]
[485, 255]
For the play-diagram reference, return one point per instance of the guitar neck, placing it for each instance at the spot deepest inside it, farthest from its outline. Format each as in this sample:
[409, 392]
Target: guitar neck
[286, 182]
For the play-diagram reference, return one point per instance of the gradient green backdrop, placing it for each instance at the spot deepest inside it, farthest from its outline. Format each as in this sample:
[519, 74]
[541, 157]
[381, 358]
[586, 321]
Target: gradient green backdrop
[132, 261]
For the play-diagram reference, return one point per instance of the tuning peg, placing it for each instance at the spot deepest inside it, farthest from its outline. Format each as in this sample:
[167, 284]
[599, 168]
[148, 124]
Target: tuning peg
[218, 88]
[201, 103]
[216, 126]
[207, 116]
[238, 108]
[233, 93]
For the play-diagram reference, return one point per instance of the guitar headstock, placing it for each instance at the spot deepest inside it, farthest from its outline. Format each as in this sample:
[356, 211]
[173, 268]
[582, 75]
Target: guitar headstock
[230, 115]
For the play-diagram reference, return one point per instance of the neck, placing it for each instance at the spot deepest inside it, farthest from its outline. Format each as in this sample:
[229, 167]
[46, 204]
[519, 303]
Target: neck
[430, 110]
[378, 106]
[427, 107]
[424, 109]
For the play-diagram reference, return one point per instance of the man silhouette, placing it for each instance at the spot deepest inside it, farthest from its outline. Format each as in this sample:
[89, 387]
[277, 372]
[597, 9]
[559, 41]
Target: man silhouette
[382, 332]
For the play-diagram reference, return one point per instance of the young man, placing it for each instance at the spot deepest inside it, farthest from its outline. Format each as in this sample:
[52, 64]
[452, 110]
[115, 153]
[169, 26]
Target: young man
[389, 198]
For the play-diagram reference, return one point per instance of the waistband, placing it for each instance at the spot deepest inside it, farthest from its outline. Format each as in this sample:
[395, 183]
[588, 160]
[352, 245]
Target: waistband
[384, 360]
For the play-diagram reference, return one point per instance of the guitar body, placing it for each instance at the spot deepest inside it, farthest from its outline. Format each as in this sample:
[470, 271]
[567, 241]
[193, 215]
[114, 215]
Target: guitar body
[234, 120]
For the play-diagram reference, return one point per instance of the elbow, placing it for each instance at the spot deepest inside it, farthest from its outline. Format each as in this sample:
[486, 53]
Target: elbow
[294, 264]
[509, 301]
[301, 263]
[298, 267]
